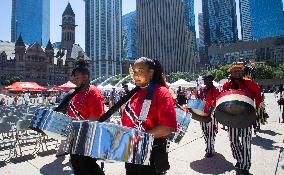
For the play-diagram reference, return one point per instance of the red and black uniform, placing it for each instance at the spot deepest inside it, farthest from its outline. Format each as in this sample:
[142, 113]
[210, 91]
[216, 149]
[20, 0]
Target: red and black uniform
[240, 138]
[88, 103]
[209, 94]
[161, 113]
[83, 106]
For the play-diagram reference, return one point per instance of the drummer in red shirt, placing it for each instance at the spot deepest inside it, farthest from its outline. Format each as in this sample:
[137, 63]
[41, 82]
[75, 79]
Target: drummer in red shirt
[159, 119]
[242, 150]
[87, 104]
[209, 93]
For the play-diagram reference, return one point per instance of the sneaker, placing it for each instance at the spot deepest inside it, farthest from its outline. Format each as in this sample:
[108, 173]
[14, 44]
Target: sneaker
[209, 155]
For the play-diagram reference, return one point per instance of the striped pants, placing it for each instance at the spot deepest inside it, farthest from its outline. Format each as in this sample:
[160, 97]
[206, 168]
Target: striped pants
[209, 131]
[240, 139]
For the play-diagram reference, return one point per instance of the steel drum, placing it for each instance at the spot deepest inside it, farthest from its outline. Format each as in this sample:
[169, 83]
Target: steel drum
[183, 119]
[198, 107]
[54, 124]
[236, 109]
[110, 142]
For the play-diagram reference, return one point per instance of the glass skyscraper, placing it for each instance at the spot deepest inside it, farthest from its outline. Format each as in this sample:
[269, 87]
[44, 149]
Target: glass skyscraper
[103, 36]
[261, 19]
[220, 21]
[129, 35]
[31, 19]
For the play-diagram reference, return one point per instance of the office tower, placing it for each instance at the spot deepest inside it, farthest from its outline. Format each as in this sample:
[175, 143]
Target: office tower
[103, 36]
[165, 32]
[31, 20]
[220, 21]
[261, 19]
[201, 29]
[129, 36]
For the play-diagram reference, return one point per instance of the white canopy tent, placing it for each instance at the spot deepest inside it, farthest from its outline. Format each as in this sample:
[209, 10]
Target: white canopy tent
[182, 82]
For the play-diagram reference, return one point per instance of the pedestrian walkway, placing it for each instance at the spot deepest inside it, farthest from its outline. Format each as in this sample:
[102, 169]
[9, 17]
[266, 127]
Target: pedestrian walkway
[186, 158]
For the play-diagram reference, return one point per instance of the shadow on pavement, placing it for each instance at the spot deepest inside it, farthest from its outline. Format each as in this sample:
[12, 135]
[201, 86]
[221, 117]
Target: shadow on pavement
[214, 165]
[46, 153]
[2, 164]
[264, 143]
[269, 132]
[22, 158]
[56, 167]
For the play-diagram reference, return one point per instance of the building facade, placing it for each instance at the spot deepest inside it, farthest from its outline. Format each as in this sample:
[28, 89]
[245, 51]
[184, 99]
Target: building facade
[201, 29]
[129, 36]
[269, 49]
[31, 19]
[165, 33]
[46, 66]
[261, 19]
[220, 22]
[103, 36]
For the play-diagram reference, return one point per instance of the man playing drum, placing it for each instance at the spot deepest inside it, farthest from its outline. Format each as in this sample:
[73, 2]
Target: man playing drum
[87, 104]
[209, 93]
[240, 138]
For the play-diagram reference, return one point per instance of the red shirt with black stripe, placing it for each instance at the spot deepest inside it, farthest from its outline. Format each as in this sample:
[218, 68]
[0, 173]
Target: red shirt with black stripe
[161, 113]
[210, 97]
[89, 103]
[247, 85]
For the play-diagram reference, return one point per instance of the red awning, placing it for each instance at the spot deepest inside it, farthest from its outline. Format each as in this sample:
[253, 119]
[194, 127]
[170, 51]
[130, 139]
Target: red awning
[67, 86]
[24, 86]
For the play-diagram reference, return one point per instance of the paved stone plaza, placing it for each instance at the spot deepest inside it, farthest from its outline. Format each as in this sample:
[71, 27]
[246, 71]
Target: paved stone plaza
[186, 158]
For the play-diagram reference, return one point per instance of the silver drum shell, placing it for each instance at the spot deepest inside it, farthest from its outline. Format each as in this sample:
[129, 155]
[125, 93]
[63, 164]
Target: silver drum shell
[110, 142]
[54, 124]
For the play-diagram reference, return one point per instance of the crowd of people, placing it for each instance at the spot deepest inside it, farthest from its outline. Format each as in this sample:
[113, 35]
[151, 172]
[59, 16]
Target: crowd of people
[150, 107]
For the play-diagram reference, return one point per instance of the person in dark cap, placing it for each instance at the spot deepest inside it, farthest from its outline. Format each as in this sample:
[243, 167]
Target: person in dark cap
[209, 93]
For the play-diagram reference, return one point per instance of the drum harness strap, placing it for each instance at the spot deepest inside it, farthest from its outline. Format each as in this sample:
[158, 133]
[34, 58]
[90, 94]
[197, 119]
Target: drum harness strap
[77, 112]
[144, 111]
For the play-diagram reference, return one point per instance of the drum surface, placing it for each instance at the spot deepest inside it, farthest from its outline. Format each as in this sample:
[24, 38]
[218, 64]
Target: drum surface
[105, 141]
[54, 124]
[183, 119]
[235, 109]
[197, 106]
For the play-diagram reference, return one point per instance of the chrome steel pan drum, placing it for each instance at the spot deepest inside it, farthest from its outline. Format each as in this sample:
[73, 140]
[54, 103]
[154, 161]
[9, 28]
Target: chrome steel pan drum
[183, 119]
[236, 109]
[198, 107]
[54, 124]
[105, 141]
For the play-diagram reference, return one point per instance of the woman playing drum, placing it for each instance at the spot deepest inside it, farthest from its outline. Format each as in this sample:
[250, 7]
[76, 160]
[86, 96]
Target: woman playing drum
[151, 109]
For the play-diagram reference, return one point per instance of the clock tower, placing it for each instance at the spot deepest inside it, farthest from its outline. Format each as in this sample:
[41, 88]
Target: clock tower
[68, 29]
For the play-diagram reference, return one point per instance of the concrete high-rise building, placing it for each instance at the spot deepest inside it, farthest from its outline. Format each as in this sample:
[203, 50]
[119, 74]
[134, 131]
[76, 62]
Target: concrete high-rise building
[201, 29]
[220, 21]
[103, 36]
[261, 19]
[129, 36]
[166, 32]
[31, 20]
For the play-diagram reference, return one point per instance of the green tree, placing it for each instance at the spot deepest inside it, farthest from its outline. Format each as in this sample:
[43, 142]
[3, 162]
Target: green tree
[264, 71]
[279, 72]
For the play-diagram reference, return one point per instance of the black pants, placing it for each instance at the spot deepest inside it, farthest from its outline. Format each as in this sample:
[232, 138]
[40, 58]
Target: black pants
[133, 169]
[158, 161]
[83, 165]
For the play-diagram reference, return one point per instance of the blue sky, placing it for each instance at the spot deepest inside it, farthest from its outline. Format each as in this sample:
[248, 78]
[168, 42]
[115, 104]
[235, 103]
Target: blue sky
[56, 9]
